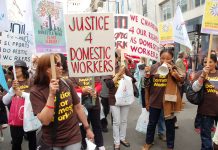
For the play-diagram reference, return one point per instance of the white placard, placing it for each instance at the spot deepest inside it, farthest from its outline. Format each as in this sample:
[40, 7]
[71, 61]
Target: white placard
[16, 44]
[90, 44]
[180, 31]
[143, 37]
[4, 24]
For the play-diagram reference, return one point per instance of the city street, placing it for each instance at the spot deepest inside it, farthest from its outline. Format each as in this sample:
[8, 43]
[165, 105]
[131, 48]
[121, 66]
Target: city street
[186, 138]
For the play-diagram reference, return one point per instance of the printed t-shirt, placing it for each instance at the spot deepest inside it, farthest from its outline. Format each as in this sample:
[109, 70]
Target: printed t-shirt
[157, 87]
[80, 83]
[209, 104]
[68, 131]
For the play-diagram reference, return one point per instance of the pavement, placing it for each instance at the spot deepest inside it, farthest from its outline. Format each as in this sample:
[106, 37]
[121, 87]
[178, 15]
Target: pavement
[186, 137]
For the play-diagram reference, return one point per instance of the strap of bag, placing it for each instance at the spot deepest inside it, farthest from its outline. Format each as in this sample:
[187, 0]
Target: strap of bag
[55, 125]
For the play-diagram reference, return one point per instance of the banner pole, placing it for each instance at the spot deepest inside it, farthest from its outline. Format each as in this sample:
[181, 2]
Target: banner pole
[14, 72]
[209, 50]
[53, 70]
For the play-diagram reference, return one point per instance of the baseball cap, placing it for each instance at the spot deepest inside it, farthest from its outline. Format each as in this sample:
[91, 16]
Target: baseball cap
[19, 63]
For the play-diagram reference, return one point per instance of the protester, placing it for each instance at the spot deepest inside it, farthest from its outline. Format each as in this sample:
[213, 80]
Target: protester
[90, 99]
[105, 103]
[207, 110]
[3, 116]
[56, 104]
[32, 70]
[160, 87]
[19, 87]
[119, 113]
[139, 75]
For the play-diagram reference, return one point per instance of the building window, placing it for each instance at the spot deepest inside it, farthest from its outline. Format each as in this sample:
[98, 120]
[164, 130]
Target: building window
[197, 3]
[166, 11]
[183, 5]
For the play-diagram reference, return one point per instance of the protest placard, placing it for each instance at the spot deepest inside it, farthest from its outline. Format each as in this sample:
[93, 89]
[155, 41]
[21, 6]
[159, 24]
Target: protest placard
[179, 29]
[210, 17]
[48, 26]
[121, 31]
[90, 44]
[143, 37]
[165, 30]
[16, 44]
[71, 6]
[4, 23]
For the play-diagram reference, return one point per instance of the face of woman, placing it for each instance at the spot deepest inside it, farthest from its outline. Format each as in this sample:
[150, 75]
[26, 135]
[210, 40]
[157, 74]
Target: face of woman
[212, 64]
[166, 58]
[59, 68]
[19, 72]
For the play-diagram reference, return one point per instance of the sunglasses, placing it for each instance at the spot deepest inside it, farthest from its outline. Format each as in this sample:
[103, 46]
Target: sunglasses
[59, 64]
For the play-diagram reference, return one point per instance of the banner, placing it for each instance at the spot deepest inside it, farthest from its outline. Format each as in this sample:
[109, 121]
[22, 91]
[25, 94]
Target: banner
[76, 5]
[3, 82]
[210, 17]
[90, 44]
[143, 37]
[165, 30]
[121, 31]
[180, 31]
[48, 26]
[4, 24]
[16, 44]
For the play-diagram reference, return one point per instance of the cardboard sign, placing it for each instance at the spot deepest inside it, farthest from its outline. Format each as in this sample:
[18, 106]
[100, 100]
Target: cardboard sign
[4, 24]
[48, 26]
[121, 31]
[165, 30]
[143, 37]
[210, 17]
[16, 44]
[90, 44]
[76, 5]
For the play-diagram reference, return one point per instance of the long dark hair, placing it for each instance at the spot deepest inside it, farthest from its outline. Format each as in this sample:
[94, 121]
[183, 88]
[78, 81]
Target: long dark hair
[64, 62]
[169, 50]
[25, 73]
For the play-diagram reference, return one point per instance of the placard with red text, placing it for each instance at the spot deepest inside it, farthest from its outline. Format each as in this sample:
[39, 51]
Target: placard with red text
[121, 31]
[143, 37]
[90, 44]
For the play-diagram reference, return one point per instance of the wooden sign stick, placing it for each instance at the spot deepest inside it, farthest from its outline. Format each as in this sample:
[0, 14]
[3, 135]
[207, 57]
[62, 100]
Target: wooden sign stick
[14, 72]
[53, 70]
[209, 50]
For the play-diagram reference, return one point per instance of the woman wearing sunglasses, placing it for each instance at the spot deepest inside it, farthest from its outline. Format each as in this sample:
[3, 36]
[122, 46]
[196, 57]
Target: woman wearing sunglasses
[207, 110]
[44, 98]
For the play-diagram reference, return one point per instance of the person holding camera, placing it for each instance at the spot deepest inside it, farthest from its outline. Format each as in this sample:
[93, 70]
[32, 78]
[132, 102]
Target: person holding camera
[139, 75]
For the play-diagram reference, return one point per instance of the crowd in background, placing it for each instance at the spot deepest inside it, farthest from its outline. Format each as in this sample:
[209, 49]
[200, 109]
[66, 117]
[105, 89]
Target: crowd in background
[70, 108]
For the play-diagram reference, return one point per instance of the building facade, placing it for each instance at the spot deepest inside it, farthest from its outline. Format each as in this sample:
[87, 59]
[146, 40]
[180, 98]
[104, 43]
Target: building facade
[193, 14]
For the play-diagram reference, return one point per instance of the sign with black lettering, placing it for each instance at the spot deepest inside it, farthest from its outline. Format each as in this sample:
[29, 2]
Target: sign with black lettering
[16, 44]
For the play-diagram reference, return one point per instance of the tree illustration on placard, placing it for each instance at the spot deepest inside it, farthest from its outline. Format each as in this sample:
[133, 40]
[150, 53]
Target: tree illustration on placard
[48, 9]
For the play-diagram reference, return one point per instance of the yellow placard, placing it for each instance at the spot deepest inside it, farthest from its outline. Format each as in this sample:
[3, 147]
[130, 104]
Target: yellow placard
[165, 30]
[210, 18]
